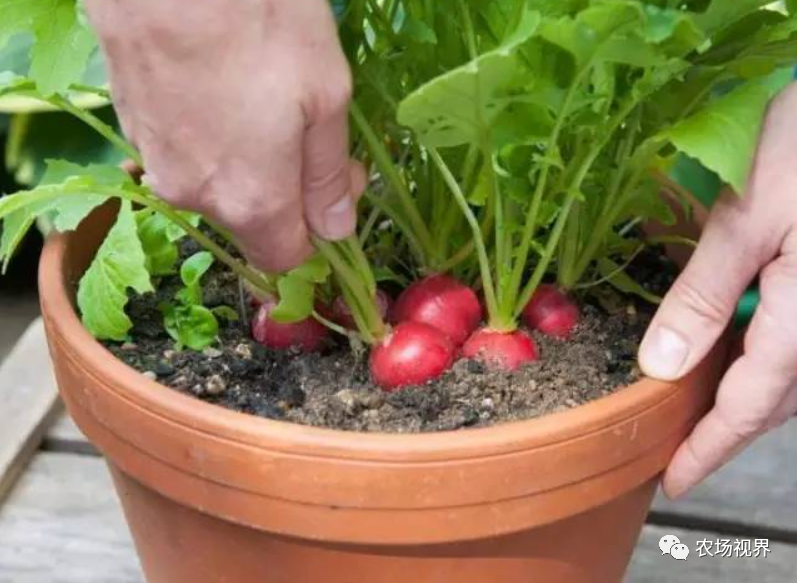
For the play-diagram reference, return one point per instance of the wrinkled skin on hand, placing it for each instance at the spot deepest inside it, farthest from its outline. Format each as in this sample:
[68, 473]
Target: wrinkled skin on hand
[239, 109]
[744, 237]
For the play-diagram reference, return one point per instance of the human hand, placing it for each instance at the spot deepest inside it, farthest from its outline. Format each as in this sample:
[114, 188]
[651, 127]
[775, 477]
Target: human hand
[240, 111]
[744, 237]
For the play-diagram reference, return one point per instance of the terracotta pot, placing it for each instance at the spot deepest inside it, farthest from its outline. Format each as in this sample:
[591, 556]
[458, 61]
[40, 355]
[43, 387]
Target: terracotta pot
[212, 495]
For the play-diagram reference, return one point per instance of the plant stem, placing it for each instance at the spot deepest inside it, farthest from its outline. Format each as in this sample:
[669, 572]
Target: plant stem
[355, 291]
[91, 89]
[529, 227]
[420, 232]
[496, 320]
[470, 35]
[258, 280]
[547, 256]
[97, 125]
[458, 257]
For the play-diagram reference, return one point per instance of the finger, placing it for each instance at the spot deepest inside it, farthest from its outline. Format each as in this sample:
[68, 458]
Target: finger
[359, 179]
[258, 198]
[703, 299]
[757, 392]
[329, 196]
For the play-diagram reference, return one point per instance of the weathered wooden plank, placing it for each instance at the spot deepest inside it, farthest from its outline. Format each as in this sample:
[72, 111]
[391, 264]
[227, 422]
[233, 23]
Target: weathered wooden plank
[649, 565]
[28, 403]
[62, 524]
[757, 489]
[65, 436]
[18, 308]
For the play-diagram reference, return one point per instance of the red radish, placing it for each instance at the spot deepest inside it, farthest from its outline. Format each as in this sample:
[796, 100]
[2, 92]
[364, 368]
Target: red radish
[551, 312]
[307, 335]
[502, 350]
[343, 316]
[411, 354]
[442, 302]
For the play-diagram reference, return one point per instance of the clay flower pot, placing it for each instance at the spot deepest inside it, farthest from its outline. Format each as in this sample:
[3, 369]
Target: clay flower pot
[212, 495]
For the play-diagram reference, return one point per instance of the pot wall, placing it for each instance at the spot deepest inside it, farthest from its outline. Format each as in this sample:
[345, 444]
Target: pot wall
[213, 495]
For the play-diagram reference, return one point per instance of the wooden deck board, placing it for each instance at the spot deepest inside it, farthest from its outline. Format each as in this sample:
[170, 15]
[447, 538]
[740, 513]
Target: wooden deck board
[62, 524]
[648, 565]
[64, 436]
[759, 488]
[28, 403]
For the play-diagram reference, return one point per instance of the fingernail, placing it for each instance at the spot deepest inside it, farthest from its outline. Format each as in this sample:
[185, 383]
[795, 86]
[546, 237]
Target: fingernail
[339, 219]
[663, 354]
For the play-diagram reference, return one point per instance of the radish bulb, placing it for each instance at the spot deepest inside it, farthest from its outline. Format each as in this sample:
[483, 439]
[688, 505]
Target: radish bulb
[341, 313]
[506, 351]
[306, 335]
[443, 303]
[551, 312]
[411, 354]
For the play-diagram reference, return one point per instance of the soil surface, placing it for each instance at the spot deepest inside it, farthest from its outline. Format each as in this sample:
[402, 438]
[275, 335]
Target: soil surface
[333, 388]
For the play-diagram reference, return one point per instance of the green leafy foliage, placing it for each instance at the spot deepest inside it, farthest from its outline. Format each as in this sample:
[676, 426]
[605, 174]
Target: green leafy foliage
[63, 44]
[462, 106]
[159, 236]
[187, 320]
[512, 141]
[65, 196]
[724, 136]
[297, 290]
[35, 138]
[119, 266]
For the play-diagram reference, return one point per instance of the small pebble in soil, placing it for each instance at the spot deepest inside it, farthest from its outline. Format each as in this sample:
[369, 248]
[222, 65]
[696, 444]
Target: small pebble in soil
[215, 385]
[244, 351]
[164, 369]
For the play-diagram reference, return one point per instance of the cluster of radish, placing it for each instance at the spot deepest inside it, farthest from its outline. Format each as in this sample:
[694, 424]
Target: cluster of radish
[435, 320]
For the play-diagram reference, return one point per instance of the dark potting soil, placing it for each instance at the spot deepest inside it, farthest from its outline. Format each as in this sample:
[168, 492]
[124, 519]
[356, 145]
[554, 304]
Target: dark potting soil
[333, 388]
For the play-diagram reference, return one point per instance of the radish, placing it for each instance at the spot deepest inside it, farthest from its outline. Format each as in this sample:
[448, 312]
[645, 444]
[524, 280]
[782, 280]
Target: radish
[341, 313]
[507, 351]
[411, 354]
[442, 302]
[551, 312]
[307, 335]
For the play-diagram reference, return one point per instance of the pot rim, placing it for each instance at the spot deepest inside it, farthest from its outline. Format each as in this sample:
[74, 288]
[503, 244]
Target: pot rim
[472, 443]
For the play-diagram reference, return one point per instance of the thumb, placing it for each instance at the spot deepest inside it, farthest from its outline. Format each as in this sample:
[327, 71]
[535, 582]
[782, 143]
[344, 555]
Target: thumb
[329, 190]
[703, 299]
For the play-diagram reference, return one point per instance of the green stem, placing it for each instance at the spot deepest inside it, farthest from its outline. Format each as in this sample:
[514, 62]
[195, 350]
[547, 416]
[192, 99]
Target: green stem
[470, 35]
[361, 263]
[97, 125]
[92, 90]
[547, 256]
[258, 280]
[530, 225]
[361, 302]
[458, 257]
[484, 264]
[400, 222]
[383, 161]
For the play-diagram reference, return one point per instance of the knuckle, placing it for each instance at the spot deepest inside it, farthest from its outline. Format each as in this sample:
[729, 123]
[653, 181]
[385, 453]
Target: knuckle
[743, 427]
[705, 304]
[333, 181]
[333, 95]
